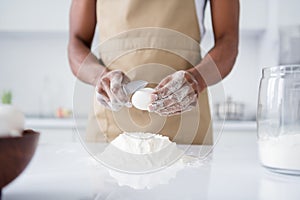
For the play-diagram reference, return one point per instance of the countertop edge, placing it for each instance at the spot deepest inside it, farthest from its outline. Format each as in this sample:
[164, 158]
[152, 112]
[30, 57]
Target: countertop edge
[67, 123]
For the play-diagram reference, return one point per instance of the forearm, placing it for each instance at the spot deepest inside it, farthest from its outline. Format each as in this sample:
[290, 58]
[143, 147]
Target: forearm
[219, 61]
[85, 65]
[217, 64]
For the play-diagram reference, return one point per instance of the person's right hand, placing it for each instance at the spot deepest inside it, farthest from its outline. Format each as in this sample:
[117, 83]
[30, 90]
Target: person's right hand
[110, 91]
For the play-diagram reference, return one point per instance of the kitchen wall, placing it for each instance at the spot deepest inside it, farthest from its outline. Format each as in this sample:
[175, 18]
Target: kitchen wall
[34, 66]
[34, 62]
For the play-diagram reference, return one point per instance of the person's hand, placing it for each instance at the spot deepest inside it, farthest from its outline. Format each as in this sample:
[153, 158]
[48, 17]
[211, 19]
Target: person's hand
[175, 94]
[110, 91]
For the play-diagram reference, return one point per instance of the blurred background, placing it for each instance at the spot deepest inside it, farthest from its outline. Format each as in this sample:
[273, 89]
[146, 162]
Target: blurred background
[34, 65]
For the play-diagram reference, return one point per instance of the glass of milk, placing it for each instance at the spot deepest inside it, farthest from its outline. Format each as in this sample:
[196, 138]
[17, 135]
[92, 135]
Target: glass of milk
[278, 119]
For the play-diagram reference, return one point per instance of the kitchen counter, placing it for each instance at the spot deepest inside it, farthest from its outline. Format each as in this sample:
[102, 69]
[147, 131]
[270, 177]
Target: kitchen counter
[55, 123]
[67, 171]
[66, 123]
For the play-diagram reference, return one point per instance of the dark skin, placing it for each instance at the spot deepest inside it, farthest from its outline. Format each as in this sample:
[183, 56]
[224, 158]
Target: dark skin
[82, 28]
[215, 66]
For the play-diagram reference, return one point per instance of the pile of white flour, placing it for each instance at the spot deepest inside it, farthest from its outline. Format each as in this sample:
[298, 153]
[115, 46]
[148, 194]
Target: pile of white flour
[141, 143]
[139, 153]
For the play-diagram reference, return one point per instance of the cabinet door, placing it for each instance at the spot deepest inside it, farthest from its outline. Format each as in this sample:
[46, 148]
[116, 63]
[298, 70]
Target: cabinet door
[34, 15]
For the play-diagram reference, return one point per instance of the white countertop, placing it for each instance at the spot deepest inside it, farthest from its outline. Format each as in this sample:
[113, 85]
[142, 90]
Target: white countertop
[55, 123]
[66, 171]
[65, 123]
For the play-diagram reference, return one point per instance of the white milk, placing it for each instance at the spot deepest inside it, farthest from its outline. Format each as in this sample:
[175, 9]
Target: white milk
[281, 152]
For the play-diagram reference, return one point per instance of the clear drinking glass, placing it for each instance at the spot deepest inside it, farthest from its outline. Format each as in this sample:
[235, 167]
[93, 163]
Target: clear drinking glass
[278, 119]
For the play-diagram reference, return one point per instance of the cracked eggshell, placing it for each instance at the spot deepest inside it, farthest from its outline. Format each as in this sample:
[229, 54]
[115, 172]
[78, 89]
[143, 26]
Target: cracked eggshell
[141, 99]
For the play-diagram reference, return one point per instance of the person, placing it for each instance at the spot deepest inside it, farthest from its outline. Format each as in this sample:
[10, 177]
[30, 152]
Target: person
[157, 32]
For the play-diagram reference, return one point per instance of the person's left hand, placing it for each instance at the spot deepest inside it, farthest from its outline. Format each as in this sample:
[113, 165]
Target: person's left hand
[175, 94]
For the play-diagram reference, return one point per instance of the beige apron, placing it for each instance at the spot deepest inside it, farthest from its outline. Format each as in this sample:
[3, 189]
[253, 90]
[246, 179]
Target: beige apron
[149, 39]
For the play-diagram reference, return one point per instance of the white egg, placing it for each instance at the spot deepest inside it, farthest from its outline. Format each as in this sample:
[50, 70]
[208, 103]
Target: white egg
[141, 99]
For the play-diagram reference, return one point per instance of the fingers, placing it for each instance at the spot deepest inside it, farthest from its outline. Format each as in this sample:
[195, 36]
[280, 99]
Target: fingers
[174, 98]
[168, 114]
[175, 94]
[105, 84]
[102, 98]
[125, 80]
[192, 81]
[115, 81]
[170, 84]
[110, 91]
[164, 82]
[116, 89]
[186, 104]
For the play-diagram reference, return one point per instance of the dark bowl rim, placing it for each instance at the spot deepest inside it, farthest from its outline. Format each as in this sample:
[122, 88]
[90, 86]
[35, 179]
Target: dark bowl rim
[25, 133]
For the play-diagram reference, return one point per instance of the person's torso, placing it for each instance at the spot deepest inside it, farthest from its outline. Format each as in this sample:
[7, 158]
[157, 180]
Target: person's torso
[148, 40]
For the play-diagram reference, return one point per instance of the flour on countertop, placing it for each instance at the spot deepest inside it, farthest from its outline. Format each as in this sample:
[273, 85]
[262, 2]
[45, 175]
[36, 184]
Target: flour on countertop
[141, 143]
[140, 152]
[146, 143]
[137, 150]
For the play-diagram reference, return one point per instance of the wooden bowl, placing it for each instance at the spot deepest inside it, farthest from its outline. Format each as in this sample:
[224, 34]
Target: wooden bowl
[15, 154]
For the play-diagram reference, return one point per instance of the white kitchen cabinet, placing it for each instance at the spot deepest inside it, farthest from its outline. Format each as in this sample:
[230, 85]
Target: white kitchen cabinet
[34, 15]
